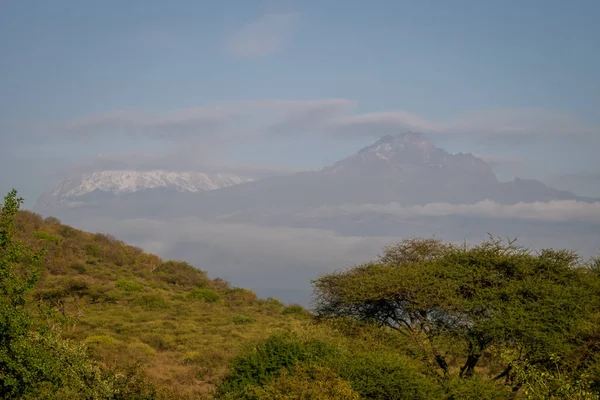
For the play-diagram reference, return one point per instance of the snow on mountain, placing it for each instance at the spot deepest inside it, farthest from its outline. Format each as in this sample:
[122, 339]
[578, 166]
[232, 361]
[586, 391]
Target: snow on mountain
[118, 182]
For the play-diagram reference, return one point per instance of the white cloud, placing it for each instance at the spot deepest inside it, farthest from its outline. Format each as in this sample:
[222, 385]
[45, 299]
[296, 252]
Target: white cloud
[263, 36]
[559, 210]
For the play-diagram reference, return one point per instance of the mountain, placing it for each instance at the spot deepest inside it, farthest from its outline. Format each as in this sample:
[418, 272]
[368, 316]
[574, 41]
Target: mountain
[406, 169]
[103, 186]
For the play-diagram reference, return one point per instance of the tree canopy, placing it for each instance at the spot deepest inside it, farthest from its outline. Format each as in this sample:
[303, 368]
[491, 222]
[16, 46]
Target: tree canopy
[492, 297]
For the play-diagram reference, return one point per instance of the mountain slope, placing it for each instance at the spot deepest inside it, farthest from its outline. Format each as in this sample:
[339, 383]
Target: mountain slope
[132, 306]
[405, 169]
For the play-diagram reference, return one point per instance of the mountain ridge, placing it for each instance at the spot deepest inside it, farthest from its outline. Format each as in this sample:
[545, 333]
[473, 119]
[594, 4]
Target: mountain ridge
[406, 169]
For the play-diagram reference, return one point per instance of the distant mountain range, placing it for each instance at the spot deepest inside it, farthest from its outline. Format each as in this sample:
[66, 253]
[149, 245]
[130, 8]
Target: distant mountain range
[406, 169]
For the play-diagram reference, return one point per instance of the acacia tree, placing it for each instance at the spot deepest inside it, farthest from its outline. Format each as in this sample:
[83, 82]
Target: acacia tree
[493, 294]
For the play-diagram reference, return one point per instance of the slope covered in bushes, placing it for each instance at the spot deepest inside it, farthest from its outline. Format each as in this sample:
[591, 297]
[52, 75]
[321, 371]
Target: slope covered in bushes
[132, 309]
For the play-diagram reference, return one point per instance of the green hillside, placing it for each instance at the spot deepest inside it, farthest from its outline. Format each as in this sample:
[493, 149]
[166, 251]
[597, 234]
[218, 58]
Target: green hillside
[131, 306]
[85, 316]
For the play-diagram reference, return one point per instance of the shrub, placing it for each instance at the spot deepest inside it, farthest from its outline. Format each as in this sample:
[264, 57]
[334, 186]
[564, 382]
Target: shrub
[272, 301]
[475, 388]
[182, 274]
[94, 250]
[295, 309]
[41, 235]
[207, 295]
[242, 319]
[385, 375]
[68, 232]
[307, 383]
[240, 296]
[52, 221]
[130, 286]
[191, 357]
[151, 302]
[160, 342]
[102, 340]
[267, 359]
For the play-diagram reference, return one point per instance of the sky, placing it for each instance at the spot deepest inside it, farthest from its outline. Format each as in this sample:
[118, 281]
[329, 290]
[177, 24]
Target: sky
[286, 85]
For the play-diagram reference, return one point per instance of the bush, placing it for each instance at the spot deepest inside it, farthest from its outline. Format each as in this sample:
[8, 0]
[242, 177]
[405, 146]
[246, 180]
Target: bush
[476, 388]
[207, 295]
[94, 250]
[242, 320]
[385, 375]
[266, 361]
[307, 383]
[272, 301]
[151, 302]
[41, 235]
[295, 309]
[129, 286]
[182, 274]
[241, 296]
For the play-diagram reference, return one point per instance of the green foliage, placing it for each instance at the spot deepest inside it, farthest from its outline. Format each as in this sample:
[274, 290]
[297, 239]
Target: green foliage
[129, 286]
[35, 362]
[151, 302]
[241, 296]
[266, 361]
[41, 235]
[494, 294]
[559, 381]
[309, 383]
[383, 375]
[476, 388]
[182, 274]
[207, 295]
[295, 309]
[243, 320]
[273, 302]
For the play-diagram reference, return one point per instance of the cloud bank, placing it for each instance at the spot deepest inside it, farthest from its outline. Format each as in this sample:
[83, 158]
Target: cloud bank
[559, 210]
[332, 118]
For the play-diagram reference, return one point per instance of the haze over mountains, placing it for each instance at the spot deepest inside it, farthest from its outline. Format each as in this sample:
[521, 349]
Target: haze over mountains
[276, 233]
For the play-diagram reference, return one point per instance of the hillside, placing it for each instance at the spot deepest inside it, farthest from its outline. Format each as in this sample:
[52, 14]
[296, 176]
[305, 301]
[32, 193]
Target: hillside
[132, 306]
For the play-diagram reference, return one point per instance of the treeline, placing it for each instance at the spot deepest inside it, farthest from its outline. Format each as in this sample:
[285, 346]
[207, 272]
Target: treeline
[425, 320]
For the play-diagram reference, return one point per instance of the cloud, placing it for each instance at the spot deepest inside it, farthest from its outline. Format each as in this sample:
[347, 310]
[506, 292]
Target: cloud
[177, 125]
[560, 210]
[217, 121]
[333, 117]
[266, 257]
[174, 160]
[505, 125]
[263, 36]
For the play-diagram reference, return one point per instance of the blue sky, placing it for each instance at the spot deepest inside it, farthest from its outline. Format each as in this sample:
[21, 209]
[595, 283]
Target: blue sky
[462, 71]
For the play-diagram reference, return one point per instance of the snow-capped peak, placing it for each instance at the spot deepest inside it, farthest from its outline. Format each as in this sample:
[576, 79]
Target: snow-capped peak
[130, 181]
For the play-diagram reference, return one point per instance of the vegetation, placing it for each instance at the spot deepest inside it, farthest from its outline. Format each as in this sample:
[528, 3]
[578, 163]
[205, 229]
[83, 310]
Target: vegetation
[84, 316]
[82, 310]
